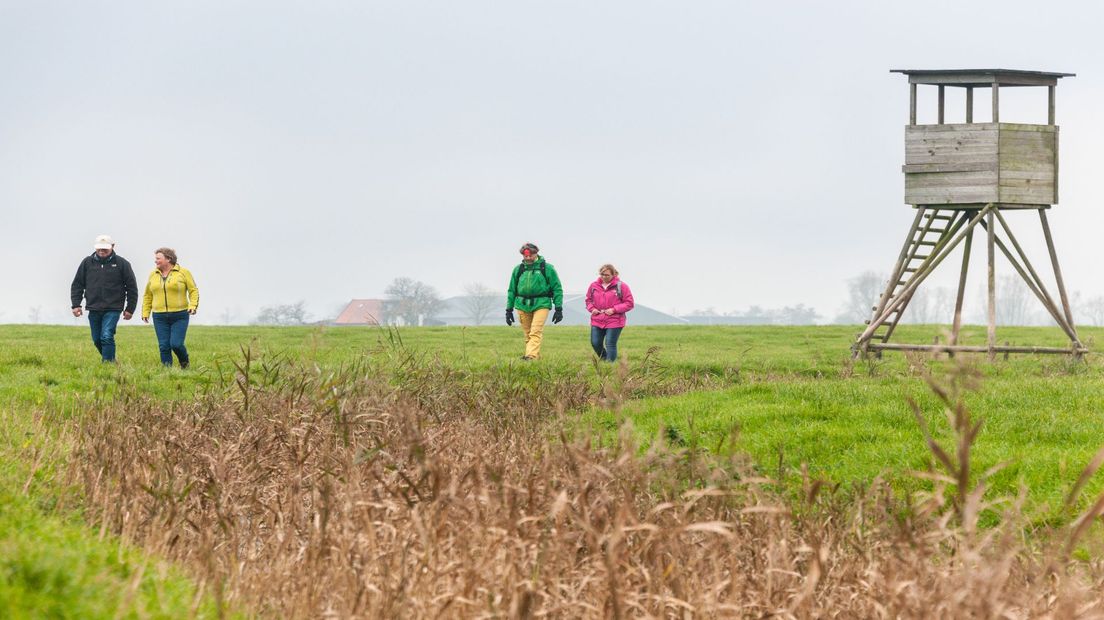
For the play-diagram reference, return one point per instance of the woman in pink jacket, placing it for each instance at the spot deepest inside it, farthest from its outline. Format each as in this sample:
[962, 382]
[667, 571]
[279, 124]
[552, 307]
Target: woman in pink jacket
[607, 300]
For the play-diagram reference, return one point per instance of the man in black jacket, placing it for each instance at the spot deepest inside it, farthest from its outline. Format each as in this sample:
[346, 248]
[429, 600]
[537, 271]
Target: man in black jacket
[106, 282]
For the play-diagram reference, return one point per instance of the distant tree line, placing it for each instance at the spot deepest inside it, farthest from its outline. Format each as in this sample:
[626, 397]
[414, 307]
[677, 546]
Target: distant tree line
[284, 314]
[758, 315]
[412, 302]
[1016, 304]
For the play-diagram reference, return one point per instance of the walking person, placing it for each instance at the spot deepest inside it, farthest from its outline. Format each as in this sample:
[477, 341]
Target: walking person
[172, 297]
[607, 300]
[106, 282]
[534, 290]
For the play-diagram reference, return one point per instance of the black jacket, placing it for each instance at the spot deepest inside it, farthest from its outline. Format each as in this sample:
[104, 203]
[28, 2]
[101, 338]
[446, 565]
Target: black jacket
[105, 284]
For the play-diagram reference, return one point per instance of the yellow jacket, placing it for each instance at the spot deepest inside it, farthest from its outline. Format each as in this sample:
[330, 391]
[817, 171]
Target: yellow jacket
[172, 294]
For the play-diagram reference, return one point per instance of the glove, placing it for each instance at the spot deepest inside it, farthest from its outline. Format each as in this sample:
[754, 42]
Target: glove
[510, 317]
[557, 316]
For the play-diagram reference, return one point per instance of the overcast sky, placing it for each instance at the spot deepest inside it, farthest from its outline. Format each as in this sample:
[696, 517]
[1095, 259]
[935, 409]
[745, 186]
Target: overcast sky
[721, 154]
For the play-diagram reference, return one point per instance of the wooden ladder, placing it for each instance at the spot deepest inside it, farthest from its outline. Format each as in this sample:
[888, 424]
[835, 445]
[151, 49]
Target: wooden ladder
[931, 230]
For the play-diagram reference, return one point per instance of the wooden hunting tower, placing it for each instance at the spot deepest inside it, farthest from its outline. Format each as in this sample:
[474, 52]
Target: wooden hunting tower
[960, 176]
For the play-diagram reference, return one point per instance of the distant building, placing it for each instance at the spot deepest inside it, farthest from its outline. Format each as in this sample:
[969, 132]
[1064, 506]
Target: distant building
[361, 312]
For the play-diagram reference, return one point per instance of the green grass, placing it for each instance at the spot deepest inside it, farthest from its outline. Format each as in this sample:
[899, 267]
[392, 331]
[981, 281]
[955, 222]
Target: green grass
[51, 567]
[51, 564]
[850, 431]
[791, 395]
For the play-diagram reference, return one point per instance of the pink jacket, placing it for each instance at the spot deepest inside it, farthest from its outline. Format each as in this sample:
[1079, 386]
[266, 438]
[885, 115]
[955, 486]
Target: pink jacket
[600, 297]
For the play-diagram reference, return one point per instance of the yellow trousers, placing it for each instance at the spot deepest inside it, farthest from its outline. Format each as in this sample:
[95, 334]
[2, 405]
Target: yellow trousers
[532, 323]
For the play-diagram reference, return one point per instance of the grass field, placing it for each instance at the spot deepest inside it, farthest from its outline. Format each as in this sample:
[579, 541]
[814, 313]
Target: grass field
[789, 398]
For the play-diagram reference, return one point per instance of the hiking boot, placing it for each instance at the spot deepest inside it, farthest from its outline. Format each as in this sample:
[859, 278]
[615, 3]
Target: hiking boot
[526, 358]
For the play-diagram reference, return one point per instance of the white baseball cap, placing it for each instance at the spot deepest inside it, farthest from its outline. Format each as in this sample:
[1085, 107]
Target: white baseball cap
[103, 242]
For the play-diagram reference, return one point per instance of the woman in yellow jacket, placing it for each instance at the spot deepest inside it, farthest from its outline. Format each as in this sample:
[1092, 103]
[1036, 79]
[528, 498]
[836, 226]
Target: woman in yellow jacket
[172, 296]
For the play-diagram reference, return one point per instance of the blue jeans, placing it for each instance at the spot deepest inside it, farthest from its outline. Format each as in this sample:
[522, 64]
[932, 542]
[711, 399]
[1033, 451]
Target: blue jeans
[103, 324]
[604, 342]
[171, 328]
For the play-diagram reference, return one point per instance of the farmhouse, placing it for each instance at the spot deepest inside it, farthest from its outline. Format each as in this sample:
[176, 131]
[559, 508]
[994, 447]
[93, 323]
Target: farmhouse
[361, 312]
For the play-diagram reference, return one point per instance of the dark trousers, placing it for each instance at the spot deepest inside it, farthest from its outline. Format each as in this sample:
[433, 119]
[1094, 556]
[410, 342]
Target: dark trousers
[103, 324]
[171, 328]
[604, 341]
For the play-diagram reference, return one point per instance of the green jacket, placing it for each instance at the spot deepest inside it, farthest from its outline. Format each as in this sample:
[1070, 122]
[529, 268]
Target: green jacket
[530, 289]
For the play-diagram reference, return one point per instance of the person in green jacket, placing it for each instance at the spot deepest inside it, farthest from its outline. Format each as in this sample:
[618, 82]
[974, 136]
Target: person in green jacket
[534, 290]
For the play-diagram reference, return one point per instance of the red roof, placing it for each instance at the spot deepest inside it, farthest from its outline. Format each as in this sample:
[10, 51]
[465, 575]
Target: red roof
[361, 312]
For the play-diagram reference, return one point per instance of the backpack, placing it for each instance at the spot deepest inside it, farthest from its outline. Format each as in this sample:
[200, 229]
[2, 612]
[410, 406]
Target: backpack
[548, 293]
[620, 297]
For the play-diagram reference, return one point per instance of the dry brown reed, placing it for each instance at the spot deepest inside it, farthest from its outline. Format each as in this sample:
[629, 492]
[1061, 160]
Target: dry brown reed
[420, 493]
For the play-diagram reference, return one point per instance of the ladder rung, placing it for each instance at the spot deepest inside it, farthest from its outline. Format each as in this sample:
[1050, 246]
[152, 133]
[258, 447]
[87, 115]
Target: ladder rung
[945, 218]
[920, 258]
[932, 243]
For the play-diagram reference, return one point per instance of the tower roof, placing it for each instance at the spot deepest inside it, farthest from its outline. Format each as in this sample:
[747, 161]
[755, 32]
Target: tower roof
[982, 77]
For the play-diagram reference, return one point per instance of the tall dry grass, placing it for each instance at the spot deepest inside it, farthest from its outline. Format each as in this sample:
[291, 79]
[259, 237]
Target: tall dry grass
[357, 493]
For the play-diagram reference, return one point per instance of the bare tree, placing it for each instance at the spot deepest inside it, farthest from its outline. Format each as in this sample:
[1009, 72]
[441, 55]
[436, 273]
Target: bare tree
[34, 314]
[862, 294]
[919, 308]
[1013, 301]
[479, 301]
[930, 305]
[944, 300]
[286, 314]
[1091, 311]
[413, 301]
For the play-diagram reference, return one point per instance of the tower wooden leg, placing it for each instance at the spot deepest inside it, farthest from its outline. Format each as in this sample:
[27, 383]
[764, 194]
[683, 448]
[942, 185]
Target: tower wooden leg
[961, 287]
[1058, 279]
[992, 286]
[1031, 277]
